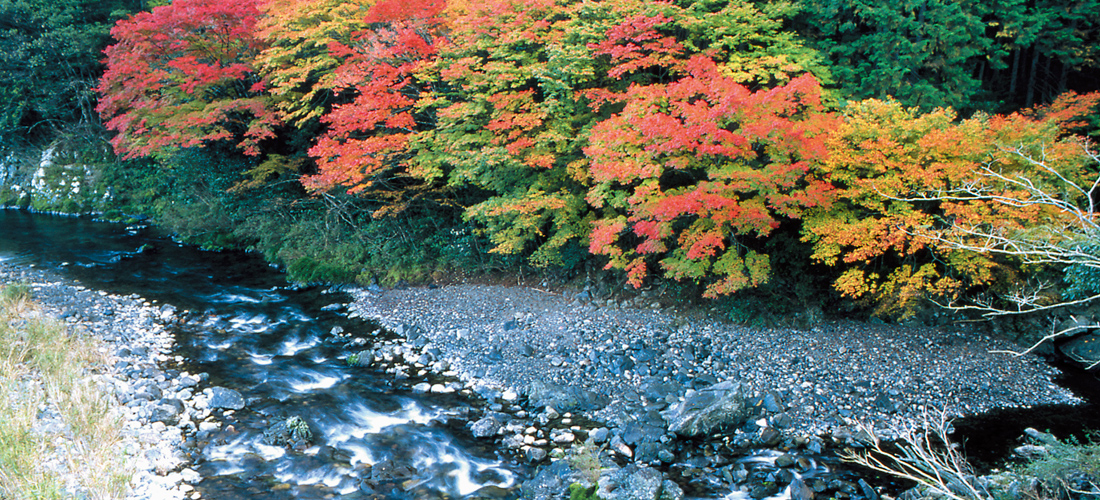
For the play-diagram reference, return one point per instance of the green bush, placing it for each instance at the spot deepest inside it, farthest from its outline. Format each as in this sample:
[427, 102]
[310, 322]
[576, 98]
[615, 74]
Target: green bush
[15, 292]
[1068, 469]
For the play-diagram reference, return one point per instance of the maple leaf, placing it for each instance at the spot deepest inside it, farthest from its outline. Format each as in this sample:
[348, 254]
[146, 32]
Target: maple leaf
[181, 75]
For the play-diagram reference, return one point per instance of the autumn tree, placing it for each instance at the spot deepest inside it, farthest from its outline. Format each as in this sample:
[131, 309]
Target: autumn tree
[296, 60]
[382, 85]
[513, 117]
[182, 75]
[524, 79]
[690, 171]
[932, 207]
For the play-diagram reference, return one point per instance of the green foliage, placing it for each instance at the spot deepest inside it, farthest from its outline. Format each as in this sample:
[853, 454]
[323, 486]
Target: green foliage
[923, 53]
[578, 491]
[1083, 280]
[1068, 467]
[15, 292]
[49, 62]
[586, 460]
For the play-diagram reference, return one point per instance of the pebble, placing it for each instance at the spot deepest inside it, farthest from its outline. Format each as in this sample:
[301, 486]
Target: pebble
[138, 342]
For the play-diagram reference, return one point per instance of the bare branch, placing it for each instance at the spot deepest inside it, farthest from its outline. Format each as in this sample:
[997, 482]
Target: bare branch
[1065, 240]
[925, 456]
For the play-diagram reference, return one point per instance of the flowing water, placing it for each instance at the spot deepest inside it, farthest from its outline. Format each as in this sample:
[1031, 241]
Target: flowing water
[253, 333]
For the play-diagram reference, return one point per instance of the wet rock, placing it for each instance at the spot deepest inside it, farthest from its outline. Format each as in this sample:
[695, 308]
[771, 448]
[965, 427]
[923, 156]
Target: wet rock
[784, 460]
[763, 490]
[361, 358]
[705, 410]
[769, 436]
[550, 482]
[388, 470]
[535, 455]
[1084, 349]
[867, 490]
[292, 432]
[485, 427]
[800, 491]
[223, 398]
[638, 483]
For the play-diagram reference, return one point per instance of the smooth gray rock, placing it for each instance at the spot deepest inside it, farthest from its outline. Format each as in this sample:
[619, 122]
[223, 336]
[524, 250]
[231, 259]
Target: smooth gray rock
[167, 411]
[703, 411]
[638, 483]
[228, 399]
[486, 427]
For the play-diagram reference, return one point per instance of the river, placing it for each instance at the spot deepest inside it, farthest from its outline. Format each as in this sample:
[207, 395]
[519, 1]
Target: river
[273, 342]
[254, 333]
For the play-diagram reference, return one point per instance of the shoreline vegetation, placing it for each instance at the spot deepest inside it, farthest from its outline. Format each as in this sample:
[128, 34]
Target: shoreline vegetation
[1063, 468]
[60, 430]
[772, 164]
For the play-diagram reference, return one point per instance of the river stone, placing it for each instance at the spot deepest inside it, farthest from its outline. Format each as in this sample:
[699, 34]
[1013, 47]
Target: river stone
[569, 398]
[167, 411]
[799, 490]
[293, 432]
[599, 435]
[634, 483]
[705, 410]
[486, 427]
[220, 397]
[186, 381]
[1084, 349]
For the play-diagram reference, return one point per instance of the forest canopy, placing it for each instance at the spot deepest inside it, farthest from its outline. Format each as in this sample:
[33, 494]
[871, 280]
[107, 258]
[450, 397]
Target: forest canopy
[733, 145]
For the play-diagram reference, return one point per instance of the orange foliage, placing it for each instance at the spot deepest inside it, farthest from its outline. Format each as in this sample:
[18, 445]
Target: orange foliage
[705, 162]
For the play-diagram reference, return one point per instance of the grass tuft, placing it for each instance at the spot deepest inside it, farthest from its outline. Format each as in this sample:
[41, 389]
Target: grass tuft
[1069, 469]
[59, 433]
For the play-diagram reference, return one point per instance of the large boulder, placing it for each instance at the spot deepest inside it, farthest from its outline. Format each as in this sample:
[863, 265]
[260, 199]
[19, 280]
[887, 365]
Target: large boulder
[1084, 349]
[541, 394]
[705, 410]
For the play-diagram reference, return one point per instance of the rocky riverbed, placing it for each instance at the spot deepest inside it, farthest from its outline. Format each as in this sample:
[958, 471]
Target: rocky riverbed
[627, 394]
[159, 406]
[689, 397]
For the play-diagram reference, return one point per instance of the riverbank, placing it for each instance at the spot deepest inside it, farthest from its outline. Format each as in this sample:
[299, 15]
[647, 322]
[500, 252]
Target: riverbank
[655, 382]
[638, 398]
[142, 393]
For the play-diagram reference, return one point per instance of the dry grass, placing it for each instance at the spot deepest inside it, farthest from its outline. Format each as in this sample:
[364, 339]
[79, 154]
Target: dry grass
[59, 433]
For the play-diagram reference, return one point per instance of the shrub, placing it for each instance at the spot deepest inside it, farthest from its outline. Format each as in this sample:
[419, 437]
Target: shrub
[1069, 468]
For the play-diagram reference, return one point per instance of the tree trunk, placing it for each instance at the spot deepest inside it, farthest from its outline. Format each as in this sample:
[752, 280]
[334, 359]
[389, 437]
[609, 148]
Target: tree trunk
[1015, 72]
[1033, 78]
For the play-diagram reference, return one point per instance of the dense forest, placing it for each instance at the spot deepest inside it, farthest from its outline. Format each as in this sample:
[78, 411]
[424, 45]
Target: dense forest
[880, 155]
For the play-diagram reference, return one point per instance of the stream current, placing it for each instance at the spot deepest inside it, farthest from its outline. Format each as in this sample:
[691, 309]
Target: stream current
[373, 437]
[253, 333]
